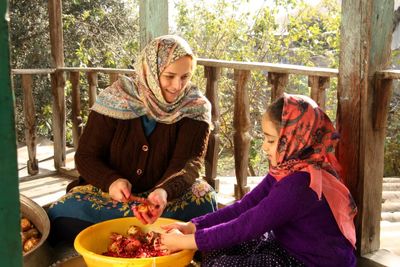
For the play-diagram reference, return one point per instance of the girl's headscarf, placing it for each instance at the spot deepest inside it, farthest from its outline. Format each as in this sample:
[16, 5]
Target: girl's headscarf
[140, 94]
[307, 142]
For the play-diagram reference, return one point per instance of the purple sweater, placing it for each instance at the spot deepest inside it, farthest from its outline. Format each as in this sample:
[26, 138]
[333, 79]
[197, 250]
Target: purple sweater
[301, 223]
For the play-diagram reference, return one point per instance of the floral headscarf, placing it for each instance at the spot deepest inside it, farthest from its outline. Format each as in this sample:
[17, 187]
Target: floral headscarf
[307, 142]
[140, 94]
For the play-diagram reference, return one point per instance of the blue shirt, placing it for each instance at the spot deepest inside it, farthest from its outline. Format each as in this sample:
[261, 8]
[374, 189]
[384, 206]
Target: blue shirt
[148, 124]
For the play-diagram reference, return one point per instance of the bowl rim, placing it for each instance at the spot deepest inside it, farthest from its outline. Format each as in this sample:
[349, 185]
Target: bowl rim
[87, 253]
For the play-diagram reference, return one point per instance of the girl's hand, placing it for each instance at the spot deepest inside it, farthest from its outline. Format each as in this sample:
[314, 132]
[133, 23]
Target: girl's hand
[183, 227]
[175, 241]
[120, 190]
[158, 200]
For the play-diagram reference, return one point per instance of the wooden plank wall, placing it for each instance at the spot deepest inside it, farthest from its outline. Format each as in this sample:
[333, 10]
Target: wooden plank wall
[10, 245]
[366, 33]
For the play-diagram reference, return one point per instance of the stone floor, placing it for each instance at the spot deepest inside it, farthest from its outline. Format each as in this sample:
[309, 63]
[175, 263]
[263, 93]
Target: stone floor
[48, 186]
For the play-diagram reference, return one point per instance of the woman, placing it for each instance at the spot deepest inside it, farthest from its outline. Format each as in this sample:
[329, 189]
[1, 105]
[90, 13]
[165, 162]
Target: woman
[146, 136]
[301, 214]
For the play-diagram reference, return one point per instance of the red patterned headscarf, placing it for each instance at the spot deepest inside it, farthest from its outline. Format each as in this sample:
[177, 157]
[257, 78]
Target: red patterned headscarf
[307, 143]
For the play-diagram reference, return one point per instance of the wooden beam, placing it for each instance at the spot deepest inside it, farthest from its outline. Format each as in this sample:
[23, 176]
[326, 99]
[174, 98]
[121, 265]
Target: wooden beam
[30, 124]
[241, 136]
[212, 75]
[32, 71]
[96, 69]
[10, 245]
[278, 82]
[366, 33]
[93, 83]
[153, 20]
[57, 82]
[382, 95]
[59, 119]
[318, 87]
[388, 74]
[77, 127]
[113, 77]
[270, 67]
[56, 33]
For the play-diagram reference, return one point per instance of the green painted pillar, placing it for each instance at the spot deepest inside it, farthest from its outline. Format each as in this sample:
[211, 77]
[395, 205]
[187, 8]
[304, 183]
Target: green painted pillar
[153, 20]
[10, 245]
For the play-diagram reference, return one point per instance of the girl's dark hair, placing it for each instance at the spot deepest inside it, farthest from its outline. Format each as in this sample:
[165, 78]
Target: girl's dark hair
[275, 110]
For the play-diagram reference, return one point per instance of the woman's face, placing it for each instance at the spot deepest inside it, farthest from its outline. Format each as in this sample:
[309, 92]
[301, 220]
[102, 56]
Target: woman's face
[175, 77]
[271, 138]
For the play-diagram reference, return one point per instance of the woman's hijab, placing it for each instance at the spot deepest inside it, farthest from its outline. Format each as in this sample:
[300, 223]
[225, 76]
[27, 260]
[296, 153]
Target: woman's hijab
[140, 94]
[307, 143]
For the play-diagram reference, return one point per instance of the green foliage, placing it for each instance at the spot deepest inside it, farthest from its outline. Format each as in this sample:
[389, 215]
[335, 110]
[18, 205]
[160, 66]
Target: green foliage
[100, 33]
[106, 34]
[226, 30]
[30, 49]
[392, 142]
[96, 34]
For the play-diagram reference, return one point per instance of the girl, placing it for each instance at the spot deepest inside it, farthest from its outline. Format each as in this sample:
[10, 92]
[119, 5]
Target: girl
[301, 214]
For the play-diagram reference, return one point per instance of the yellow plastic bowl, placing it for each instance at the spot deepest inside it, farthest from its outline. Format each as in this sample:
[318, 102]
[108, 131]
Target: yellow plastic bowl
[94, 240]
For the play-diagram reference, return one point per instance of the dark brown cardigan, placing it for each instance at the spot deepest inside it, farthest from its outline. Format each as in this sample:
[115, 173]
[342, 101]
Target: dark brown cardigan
[169, 158]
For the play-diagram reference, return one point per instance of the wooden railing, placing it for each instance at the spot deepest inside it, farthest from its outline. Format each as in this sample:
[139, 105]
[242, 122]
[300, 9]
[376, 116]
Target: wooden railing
[277, 76]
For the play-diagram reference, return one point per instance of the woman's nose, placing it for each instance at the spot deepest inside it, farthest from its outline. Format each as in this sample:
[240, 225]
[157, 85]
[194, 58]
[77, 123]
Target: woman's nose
[176, 84]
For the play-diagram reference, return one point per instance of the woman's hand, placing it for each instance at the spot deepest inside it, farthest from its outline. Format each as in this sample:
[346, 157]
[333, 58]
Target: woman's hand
[158, 200]
[120, 190]
[183, 227]
[174, 240]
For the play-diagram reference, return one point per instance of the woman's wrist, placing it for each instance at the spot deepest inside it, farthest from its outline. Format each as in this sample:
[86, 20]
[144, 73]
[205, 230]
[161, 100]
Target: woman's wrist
[162, 194]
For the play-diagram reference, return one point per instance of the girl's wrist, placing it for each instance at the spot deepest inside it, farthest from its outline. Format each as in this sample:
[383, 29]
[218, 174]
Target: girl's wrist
[192, 227]
[189, 241]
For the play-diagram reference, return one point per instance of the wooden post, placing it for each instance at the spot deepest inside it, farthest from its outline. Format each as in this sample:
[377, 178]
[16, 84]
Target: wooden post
[366, 34]
[241, 137]
[212, 76]
[318, 86]
[113, 77]
[30, 124]
[278, 82]
[93, 82]
[10, 247]
[57, 82]
[76, 108]
[153, 20]
[382, 95]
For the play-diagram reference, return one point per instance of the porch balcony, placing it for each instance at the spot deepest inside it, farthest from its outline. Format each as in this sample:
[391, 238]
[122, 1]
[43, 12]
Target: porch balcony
[46, 168]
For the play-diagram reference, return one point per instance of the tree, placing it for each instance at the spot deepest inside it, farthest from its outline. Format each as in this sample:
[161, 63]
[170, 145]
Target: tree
[222, 30]
[96, 33]
[106, 34]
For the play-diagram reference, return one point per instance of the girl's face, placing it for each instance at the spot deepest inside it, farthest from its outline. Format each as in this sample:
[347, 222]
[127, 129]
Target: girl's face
[271, 138]
[175, 77]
